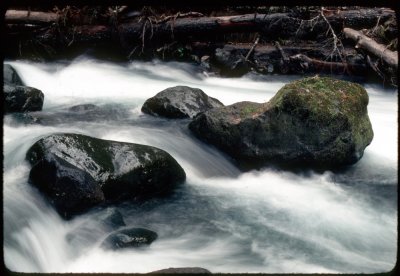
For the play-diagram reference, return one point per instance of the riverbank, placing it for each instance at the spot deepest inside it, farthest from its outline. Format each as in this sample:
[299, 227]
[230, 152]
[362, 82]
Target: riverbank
[224, 41]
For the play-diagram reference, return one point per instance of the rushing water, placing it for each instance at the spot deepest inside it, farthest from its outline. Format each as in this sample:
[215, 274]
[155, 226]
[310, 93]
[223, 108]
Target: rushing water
[221, 219]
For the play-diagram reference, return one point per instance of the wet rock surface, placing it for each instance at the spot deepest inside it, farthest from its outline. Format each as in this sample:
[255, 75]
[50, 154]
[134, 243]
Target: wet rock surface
[129, 238]
[179, 102]
[77, 172]
[19, 98]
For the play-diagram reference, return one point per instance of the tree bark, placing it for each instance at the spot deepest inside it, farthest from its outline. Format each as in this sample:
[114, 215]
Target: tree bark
[30, 17]
[372, 47]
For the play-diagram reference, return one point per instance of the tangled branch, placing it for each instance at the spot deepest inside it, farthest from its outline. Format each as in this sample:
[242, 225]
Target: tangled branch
[337, 43]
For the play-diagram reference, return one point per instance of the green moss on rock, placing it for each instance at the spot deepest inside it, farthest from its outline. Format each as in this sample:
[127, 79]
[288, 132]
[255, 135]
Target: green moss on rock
[314, 121]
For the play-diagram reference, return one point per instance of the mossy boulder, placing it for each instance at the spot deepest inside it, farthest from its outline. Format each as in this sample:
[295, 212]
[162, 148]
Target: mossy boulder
[318, 121]
[128, 238]
[116, 170]
[179, 102]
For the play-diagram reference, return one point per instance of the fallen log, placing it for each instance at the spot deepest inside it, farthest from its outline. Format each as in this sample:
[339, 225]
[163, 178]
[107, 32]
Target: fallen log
[273, 25]
[30, 17]
[368, 44]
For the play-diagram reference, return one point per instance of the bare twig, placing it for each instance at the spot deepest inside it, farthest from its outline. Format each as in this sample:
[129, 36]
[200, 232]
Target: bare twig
[144, 33]
[252, 48]
[284, 56]
[311, 22]
[372, 31]
[73, 37]
[132, 52]
[336, 41]
[179, 15]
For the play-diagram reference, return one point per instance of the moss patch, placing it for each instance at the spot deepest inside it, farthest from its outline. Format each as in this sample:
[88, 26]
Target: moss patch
[322, 97]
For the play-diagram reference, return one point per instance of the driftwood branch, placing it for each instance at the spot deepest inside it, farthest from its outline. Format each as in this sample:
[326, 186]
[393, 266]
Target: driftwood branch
[316, 65]
[372, 47]
[30, 17]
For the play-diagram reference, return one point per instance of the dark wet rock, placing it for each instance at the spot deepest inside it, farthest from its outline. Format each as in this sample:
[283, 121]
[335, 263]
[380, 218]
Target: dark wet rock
[22, 98]
[179, 102]
[108, 169]
[182, 270]
[10, 76]
[128, 238]
[319, 122]
[70, 189]
[17, 97]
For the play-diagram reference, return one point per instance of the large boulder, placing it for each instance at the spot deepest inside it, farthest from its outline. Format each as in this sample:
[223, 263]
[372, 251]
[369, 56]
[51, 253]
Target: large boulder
[10, 76]
[179, 102]
[73, 168]
[19, 98]
[128, 238]
[319, 122]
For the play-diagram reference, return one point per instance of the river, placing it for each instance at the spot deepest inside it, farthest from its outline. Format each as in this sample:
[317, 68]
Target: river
[221, 219]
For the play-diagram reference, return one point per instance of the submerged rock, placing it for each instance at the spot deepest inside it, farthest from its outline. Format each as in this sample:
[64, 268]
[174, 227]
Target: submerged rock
[321, 122]
[128, 238]
[111, 218]
[94, 227]
[22, 98]
[108, 169]
[78, 113]
[179, 102]
[182, 270]
[83, 108]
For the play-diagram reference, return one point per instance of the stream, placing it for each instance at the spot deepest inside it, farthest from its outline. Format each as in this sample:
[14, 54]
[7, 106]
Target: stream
[221, 219]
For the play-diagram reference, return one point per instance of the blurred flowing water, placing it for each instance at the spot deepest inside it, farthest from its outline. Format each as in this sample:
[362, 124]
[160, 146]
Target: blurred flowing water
[223, 220]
